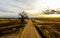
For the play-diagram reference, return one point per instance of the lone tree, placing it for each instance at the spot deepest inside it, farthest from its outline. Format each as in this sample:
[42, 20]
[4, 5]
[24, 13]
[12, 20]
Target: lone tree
[22, 15]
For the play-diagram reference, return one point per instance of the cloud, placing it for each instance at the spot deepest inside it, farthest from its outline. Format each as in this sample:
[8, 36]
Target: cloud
[4, 10]
[14, 5]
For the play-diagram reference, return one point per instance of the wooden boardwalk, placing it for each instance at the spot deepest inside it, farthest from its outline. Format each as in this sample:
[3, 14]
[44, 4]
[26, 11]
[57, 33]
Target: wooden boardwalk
[30, 31]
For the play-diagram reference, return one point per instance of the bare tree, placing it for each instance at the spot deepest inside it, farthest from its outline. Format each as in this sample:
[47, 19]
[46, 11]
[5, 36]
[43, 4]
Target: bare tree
[23, 15]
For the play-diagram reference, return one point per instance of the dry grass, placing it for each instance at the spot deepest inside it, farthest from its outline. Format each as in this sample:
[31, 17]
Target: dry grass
[9, 23]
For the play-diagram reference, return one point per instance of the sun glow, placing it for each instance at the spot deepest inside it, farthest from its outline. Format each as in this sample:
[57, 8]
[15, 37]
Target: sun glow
[50, 16]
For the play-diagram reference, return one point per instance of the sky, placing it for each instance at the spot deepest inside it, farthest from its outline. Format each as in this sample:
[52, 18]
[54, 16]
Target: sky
[13, 7]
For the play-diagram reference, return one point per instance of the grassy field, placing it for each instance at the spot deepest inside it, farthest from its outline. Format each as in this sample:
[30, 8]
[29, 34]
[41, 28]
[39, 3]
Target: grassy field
[49, 27]
[10, 27]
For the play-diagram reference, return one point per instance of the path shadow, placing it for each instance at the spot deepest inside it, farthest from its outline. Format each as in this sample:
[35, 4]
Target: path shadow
[40, 32]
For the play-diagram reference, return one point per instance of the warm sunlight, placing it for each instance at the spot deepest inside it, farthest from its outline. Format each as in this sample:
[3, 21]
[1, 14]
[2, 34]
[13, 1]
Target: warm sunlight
[50, 16]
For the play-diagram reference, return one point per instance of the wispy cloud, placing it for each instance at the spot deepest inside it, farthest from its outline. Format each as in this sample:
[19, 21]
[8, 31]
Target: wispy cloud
[14, 6]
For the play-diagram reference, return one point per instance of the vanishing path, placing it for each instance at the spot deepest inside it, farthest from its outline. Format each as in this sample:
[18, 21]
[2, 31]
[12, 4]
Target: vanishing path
[30, 31]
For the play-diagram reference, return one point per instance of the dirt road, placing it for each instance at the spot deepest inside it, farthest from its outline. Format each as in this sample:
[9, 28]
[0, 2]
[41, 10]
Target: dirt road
[30, 31]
